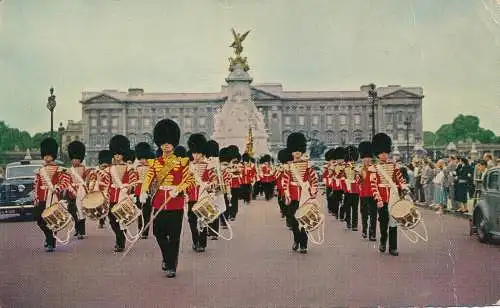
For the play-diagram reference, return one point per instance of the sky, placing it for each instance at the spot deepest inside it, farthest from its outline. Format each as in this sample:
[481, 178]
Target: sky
[450, 48]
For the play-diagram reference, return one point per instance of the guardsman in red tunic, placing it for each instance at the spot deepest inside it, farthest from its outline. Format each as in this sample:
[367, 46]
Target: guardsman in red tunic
[327, 176]
[247, 177]
[234, 170]
[382, 176]
[299, 172]
[123, 179]
[144, 154]
[351, 188]
[212, 154]
[50, 181]
[225, 159]
[173, 178]
[99, 179]
[204, 181]
[368, 204]
[336, 182]
[80, 176]
[267, 177]
[284, 157]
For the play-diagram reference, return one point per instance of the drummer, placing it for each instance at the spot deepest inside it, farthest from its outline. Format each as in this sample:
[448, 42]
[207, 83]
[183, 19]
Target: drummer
[50, 181]
[296, 144]
[144, 154]
[100, 180]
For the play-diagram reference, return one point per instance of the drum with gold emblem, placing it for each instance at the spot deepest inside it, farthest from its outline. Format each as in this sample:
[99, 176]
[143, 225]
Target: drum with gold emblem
[95, 205]
[126, 212]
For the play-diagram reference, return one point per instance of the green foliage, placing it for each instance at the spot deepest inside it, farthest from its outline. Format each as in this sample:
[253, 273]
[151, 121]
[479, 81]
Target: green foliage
[37, 139]
[12, 138]
[463, 128]
[429, 138]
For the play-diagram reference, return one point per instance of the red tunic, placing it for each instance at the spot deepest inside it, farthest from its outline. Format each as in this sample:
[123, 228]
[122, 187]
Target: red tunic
[380, 188]
[128, 177]
[58, 179]
[235, 173]
[207, 176]
[267, 174]
[247, 175]
[292, 187]
[354, 188]
[84, 173]
[365, 186]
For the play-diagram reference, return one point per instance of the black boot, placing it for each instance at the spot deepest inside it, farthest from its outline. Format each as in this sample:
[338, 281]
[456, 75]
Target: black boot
[393, 241]
[295, 246]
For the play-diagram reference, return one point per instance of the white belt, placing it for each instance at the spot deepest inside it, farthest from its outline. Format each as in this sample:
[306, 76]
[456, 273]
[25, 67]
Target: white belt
[167, 187]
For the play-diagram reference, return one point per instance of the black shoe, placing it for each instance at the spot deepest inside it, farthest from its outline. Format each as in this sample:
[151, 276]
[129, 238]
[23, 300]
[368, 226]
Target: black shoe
[214, 237]
[171, 274]
[303, 250]
[144, 236]
[364, 235]
[200, 249]
[224, 227]
[233, 219]
[393, 252]
[373, 239]
[81, 236]
[164, 266]
[101, 226]
[50, 248]
[195, 247]
[119, 248]
[354, 229]
[45, 245]
[295, 246]
[76, 234]
[382, 248]
[348, 227]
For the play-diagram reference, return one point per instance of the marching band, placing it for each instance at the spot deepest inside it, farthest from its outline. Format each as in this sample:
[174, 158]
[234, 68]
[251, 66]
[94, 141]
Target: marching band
[140, 187]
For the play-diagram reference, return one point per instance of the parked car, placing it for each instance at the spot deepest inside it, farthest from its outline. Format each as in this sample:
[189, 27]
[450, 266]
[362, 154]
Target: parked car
[485, 220]
[17, 191]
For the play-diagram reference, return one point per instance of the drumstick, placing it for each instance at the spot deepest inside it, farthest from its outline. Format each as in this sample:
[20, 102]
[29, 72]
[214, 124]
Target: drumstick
[145, 227]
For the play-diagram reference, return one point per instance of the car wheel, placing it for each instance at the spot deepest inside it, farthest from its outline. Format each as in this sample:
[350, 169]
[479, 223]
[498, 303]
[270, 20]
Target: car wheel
[481, 227]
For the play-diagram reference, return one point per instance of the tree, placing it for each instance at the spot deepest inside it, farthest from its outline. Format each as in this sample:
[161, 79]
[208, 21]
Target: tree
[463, 128]
[429, 138]
[37, 139]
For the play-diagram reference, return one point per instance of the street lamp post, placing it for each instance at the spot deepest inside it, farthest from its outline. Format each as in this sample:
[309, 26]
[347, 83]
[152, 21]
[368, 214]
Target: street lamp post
[61, 132]
[51, 105]
[372, 94]
[407, 123]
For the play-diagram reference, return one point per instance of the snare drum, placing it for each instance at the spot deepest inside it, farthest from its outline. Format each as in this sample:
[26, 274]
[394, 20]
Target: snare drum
[126, 212]
[95, 205]
[56, 217]
[206, 209]
[405, 213]
[309, 216]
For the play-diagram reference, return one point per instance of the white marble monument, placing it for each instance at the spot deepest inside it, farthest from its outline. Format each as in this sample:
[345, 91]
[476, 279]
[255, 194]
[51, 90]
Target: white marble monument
[239, 113]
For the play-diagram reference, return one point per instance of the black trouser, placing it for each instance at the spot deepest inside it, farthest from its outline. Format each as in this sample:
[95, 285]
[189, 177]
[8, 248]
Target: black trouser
[383, 218]
[351, 202]
[167, 228]
[146, 215]
[257, 189]
[282, 205]
[299, 236]
[225, 214]
[233, 209]
[115, 226]
[102, 221]
[37, 216]
[329, 200]
[246, 191]
[369, 211]
[336, 199]
[79, 224]
[268, 188]
[199, 237]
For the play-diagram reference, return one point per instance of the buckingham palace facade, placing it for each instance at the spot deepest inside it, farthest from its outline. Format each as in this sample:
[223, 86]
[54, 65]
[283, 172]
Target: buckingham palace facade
[334, 117]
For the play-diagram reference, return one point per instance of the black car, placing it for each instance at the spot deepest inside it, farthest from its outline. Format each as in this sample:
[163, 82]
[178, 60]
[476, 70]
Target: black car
[17, 191]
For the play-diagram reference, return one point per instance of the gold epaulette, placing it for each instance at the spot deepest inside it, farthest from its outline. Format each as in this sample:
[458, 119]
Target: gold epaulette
[150, 161]
[184, 161]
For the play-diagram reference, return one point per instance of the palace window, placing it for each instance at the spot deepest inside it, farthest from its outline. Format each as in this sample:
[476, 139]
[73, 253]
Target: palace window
[401, 136]
[357, 136]
[104, 122]
[329, 119]
[188, 122]
[201, 121]
[330, 137]
[114, 122]
[146, 122]
[357, 119]
[315, 120]
[132, 122]
[301, 120]
[411, 137]
[93, 122]
[343, 120]
[275, 117]
[288, 121]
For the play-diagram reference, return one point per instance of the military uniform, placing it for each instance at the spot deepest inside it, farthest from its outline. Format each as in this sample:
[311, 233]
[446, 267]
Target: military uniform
[212, 153]
[351, 188]
[50, 181]
[247, 178]
[80, 176]
[296, 142]
[368, 204]
[267, 177]
[381, 175]
[337, 182]
[173, 179]
[100, 179]
[122, 180]
[234, 168]
[144, 154]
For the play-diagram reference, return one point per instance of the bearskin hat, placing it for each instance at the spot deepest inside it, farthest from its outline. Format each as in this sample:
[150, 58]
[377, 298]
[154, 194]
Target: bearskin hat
[224, 155]
[329, 155]
[245, 157]
[166, 131]
[49, 147]
[212, 149]
[284, 156]
[296, 142]
[189, 155]
[105, 157]
[180, 151]
[266, 158]
[234, 152]
[129, 156]
[338, 153]
[351, 153]
[381, 143]
[252, 160]
[197, 143]
[76, 150]
[365, 149]
[119, 144]
[143, 150]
